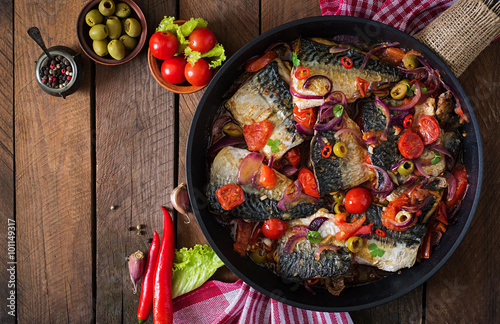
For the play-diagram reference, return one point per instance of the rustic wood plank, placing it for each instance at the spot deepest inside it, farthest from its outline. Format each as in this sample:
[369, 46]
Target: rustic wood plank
[135, 156]
[7, 205]
[53, 177]
[466, 289]
[222, 16]
[275, 13]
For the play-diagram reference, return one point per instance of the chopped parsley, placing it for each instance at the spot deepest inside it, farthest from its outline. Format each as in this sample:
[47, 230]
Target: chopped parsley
[375, 250]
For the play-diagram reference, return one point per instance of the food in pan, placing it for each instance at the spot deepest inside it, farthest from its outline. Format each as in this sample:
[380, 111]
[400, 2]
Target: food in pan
[331, 159]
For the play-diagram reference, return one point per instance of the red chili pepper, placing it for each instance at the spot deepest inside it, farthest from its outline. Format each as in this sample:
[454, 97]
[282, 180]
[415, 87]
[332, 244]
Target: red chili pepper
[408, 121]
[326, 151]
[380, 232]
[162, 301]
[302, 73]
[362, 85]
[346, 62]
[147, 290]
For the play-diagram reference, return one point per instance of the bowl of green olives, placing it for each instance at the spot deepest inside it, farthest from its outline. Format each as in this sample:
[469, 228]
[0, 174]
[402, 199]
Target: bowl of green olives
[111, 32]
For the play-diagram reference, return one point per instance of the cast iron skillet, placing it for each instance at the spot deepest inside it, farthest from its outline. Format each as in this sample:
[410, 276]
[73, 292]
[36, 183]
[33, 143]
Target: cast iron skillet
[263, 280]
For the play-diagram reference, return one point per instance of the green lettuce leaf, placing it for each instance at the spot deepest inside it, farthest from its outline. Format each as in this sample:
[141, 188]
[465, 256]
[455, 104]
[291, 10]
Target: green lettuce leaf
[192, 268]
[167, 24]
[193, 23]
[215, 56]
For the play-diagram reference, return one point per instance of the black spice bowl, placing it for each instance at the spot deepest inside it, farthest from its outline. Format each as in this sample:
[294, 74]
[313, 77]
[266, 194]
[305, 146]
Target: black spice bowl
[263, 280]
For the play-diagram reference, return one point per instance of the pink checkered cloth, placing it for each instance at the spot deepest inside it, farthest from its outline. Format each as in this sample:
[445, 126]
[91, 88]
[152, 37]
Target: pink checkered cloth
[238, 303]
[409, 16]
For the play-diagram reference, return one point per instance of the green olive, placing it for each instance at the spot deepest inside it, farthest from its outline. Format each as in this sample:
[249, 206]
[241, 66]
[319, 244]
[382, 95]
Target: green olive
[98, 32]
[340, 149]
[93, 17]
[116, 49]
[403, 217]
[406, 168]
[339, 209]
[133, 27]
[107, 7]
[354, 244]
[338, 197]
[232, 130]
[122, 10]
[129, 42]
[410, 61]
[399, 91]
[258, 256]
[114, 27]
[100, 47]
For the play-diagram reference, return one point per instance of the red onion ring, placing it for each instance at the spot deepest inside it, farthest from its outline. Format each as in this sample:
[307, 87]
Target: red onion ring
[452, 185]
[321, 248]
[292, 241]
[288, 170]
[300, 229]
[301, 96]
[416, 208]
[418, 165]
[402, 224]
[248, 167]
[271, 161]
[304, 130]
[224, 142]
[372, 51]
[397, 164]
[387, 185]
[354, 133]
[316, 223]
[308, 81]
[339, 48]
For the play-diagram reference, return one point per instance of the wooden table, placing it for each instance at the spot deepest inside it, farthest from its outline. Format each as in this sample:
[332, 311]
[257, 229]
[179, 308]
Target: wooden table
[120, 141]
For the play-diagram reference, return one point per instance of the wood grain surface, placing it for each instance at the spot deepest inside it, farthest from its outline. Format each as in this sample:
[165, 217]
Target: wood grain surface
[77, 173]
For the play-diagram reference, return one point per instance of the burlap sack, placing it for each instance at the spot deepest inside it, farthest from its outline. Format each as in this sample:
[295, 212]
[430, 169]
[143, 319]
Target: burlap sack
[460, 33]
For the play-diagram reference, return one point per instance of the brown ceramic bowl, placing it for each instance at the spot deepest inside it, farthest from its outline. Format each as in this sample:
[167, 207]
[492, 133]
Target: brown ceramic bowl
[155, 68]
[86, 42]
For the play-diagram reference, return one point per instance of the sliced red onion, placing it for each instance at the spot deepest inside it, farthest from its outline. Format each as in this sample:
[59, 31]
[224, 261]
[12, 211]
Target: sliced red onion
[271, 161]
[410, 180]
[403, 222]
[373, 51]
[288, 170]
[354, 133]
[309, 80]
[255, 180]
[304, 130]
[438, 148]
[224, 142]
[316, 223]
[249, 167]
[387, 186]
[349, 39]
[301, 96]
[321, 248]
[292, 241]
[380, 104]
[397, 164]
[339, 48]
[416, 208]
[418, 165]
[329, 125]
[410, 104]
[399, 119]
[452, 185]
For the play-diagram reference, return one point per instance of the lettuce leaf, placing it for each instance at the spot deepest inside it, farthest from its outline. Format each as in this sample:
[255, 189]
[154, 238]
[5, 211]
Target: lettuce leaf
[193, 23]
[167, 24]
[215, 56]
[192, 267]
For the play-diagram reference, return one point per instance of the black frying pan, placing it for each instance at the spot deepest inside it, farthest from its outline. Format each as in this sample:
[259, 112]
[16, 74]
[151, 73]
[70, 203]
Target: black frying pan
[263, 280]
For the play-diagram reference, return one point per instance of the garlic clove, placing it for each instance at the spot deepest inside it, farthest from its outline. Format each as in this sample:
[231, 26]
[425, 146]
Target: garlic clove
[136, 263]
[180, 199]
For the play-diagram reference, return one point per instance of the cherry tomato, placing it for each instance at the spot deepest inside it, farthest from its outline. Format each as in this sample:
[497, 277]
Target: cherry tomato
[308, 182]
[260, 62]
[293, 156]
[357, 200]
[390, 212]
[198, 74]
[392, 55]
[202, 40]
[163, 45]
[257, 134]
[274, 228]
[347, 230]
[410, 145]
[268, 178]
[307, 117]
[460, 174]
[428, 129]
[172, 70]
[230, 196]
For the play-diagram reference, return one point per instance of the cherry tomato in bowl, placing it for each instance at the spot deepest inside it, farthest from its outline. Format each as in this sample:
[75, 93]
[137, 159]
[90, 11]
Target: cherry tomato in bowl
[202, 40]
[198, 74]
[172, 70]
[274, 228]
[163, 45]
[357, 200]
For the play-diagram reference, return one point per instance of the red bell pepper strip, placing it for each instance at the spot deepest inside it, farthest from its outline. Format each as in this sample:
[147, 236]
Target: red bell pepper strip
[162, 301]
[147, 290]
